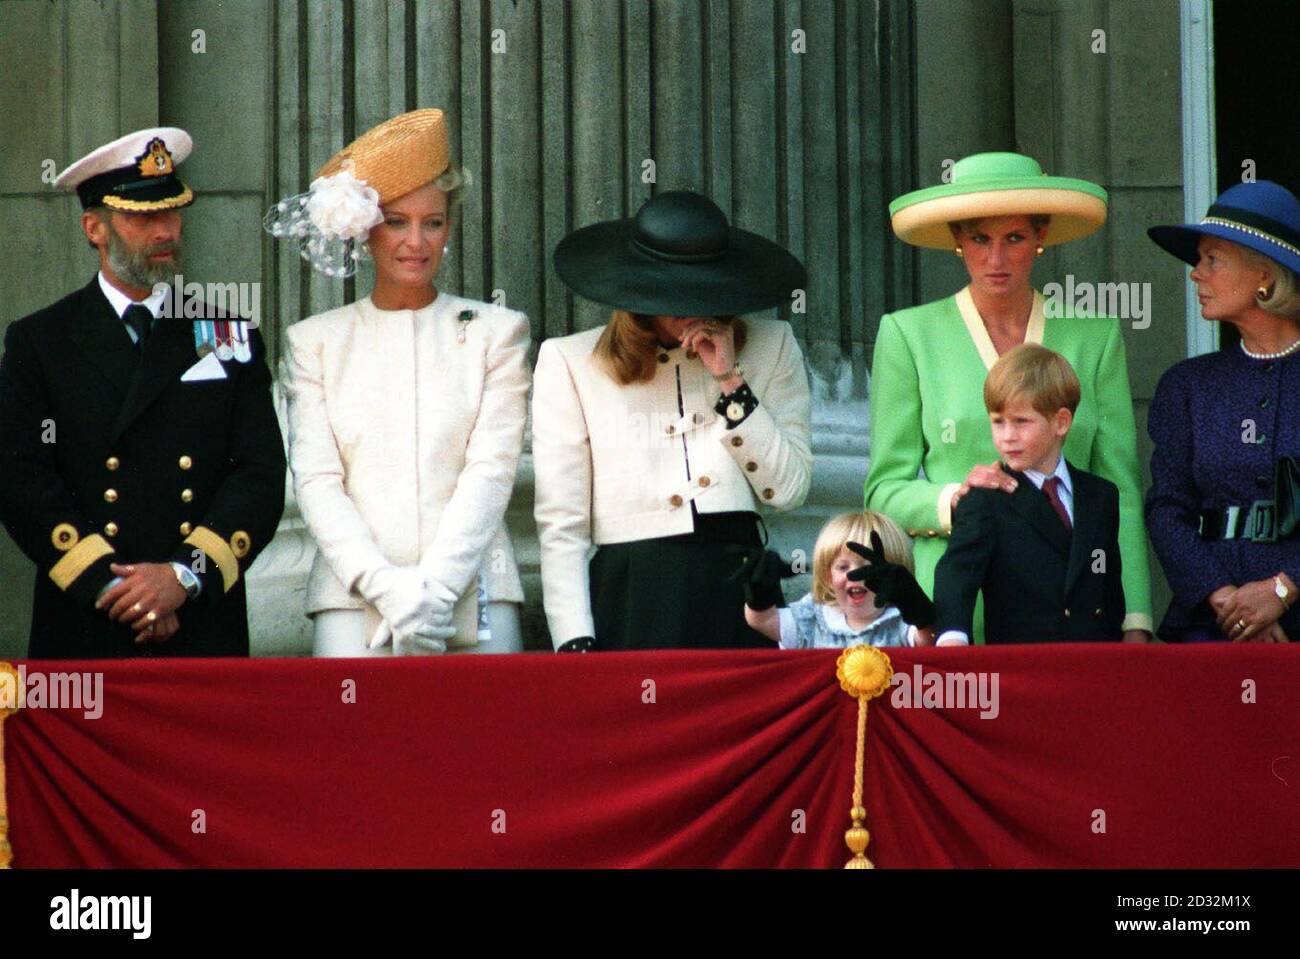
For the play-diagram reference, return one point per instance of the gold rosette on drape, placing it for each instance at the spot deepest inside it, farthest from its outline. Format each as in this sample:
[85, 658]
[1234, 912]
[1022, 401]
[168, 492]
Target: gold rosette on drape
[864, 673]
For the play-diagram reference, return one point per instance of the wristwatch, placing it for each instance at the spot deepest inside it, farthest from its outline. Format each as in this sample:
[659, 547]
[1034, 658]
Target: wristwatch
[1280, 590]
[189, 582]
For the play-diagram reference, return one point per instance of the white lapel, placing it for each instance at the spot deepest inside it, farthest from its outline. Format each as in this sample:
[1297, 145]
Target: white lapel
[979, 334]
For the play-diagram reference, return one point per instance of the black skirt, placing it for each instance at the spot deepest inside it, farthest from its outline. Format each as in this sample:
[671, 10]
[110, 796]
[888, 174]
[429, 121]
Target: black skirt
[672, 592]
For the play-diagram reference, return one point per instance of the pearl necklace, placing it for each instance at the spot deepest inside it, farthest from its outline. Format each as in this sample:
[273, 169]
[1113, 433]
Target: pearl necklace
[1269, 356]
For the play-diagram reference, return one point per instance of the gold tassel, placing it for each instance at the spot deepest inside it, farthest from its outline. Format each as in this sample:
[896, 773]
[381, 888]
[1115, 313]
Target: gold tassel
[864, 673]
[11, 698]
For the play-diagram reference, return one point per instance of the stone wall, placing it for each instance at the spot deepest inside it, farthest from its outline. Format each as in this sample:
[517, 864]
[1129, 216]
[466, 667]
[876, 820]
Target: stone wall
[802, 118]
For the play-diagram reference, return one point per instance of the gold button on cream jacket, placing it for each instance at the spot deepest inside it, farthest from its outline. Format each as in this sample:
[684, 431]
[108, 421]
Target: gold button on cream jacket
[404, 440]
[616, 463]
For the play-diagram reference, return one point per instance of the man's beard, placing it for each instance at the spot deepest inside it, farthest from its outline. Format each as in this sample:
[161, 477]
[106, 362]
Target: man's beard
[134, 268]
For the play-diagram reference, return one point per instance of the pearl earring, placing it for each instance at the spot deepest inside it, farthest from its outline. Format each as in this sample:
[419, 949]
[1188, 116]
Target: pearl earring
[958, 251]
[445, 248]
[1039, 251]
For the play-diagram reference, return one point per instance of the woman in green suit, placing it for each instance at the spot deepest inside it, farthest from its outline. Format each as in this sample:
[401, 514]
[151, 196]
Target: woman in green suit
[927, 377]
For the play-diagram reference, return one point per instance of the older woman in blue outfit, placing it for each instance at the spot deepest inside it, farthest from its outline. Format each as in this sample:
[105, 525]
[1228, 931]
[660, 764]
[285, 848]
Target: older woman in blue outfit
[1222, 511]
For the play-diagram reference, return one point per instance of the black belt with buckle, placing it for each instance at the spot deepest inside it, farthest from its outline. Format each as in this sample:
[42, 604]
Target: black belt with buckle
[1257, 522]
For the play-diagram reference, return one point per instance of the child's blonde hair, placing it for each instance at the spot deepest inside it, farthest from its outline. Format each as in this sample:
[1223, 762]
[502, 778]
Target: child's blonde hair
[857, 527]
[1032, 374]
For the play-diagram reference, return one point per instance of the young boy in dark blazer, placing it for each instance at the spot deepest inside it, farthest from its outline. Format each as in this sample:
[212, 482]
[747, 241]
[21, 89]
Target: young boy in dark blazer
[1047, 554]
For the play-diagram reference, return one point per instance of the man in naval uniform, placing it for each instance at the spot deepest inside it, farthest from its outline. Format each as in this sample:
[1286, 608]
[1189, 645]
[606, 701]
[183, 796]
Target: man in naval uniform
[142, 474]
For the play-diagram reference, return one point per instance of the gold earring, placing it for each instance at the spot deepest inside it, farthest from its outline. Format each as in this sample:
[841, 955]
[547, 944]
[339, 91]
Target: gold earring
[1039, 251]
[958, 251]
[1262, 292]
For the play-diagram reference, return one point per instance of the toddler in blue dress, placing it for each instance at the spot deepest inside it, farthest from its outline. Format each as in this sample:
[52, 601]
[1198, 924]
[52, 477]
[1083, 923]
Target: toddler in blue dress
[860, 595]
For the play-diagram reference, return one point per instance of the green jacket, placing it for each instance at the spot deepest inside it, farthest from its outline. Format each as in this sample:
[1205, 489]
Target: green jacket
[927, 413]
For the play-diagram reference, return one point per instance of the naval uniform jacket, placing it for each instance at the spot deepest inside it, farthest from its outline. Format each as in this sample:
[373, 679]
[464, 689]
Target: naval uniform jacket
[621, 462]
[106, 456]
[405, 431]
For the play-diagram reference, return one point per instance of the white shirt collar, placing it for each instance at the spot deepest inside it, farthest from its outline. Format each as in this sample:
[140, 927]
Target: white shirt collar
[1061, 471]
[120, 301]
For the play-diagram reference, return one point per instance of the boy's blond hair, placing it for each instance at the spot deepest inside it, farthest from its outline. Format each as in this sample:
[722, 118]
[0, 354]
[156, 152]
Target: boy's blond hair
[1035, 375]
[857, 527]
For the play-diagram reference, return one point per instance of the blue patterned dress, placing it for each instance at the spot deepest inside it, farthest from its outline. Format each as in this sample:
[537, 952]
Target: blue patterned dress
[809, 625]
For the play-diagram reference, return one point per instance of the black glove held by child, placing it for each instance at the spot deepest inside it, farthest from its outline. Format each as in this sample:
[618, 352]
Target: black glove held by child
[892, 584]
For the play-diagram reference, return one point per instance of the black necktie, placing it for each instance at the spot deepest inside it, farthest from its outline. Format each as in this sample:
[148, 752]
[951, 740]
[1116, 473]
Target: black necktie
[141, 320]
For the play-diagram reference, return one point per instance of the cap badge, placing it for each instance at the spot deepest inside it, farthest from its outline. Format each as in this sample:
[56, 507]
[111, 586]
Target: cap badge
[155, 161]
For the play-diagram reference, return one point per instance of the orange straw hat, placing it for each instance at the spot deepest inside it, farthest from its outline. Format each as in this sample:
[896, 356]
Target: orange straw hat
[332, 220]
[398, 156]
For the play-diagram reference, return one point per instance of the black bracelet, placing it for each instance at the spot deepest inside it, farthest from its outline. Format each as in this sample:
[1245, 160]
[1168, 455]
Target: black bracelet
[736, 405]
[583, 644]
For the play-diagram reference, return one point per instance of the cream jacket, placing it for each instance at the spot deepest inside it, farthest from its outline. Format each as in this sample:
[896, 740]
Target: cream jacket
[404, 443]
[615, 463]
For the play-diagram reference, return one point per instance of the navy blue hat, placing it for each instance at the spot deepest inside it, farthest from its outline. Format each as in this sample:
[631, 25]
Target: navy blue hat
[1260, 216]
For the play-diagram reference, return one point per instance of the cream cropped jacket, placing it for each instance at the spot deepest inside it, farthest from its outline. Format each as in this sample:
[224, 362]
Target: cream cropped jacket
[615, 462]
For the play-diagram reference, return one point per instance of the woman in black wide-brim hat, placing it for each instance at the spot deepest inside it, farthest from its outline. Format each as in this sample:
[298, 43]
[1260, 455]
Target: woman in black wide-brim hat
[658, 437]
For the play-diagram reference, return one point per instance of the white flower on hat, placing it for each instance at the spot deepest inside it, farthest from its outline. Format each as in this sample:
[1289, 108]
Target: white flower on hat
[330, 222]
[343, 207]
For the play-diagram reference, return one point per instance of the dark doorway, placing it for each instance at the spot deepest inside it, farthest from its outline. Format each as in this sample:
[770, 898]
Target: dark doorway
[1256, 94]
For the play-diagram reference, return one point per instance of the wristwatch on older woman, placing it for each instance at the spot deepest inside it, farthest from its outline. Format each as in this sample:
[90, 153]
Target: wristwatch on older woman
[1281, 592]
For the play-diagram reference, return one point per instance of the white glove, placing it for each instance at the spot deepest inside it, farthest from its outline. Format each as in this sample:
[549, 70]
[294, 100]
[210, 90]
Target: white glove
[417, 609]
[430, 641]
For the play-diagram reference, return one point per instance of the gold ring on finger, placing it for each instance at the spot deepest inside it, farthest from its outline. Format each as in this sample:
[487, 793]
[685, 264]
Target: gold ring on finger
[151, 616]
[136, 608]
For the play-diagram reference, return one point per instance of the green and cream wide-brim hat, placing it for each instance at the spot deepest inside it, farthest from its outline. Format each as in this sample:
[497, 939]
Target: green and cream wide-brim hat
[998, 184]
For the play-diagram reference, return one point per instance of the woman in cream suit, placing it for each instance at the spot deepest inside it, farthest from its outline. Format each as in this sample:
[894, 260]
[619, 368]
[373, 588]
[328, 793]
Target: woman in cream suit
[406, 412]
[658, 437]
